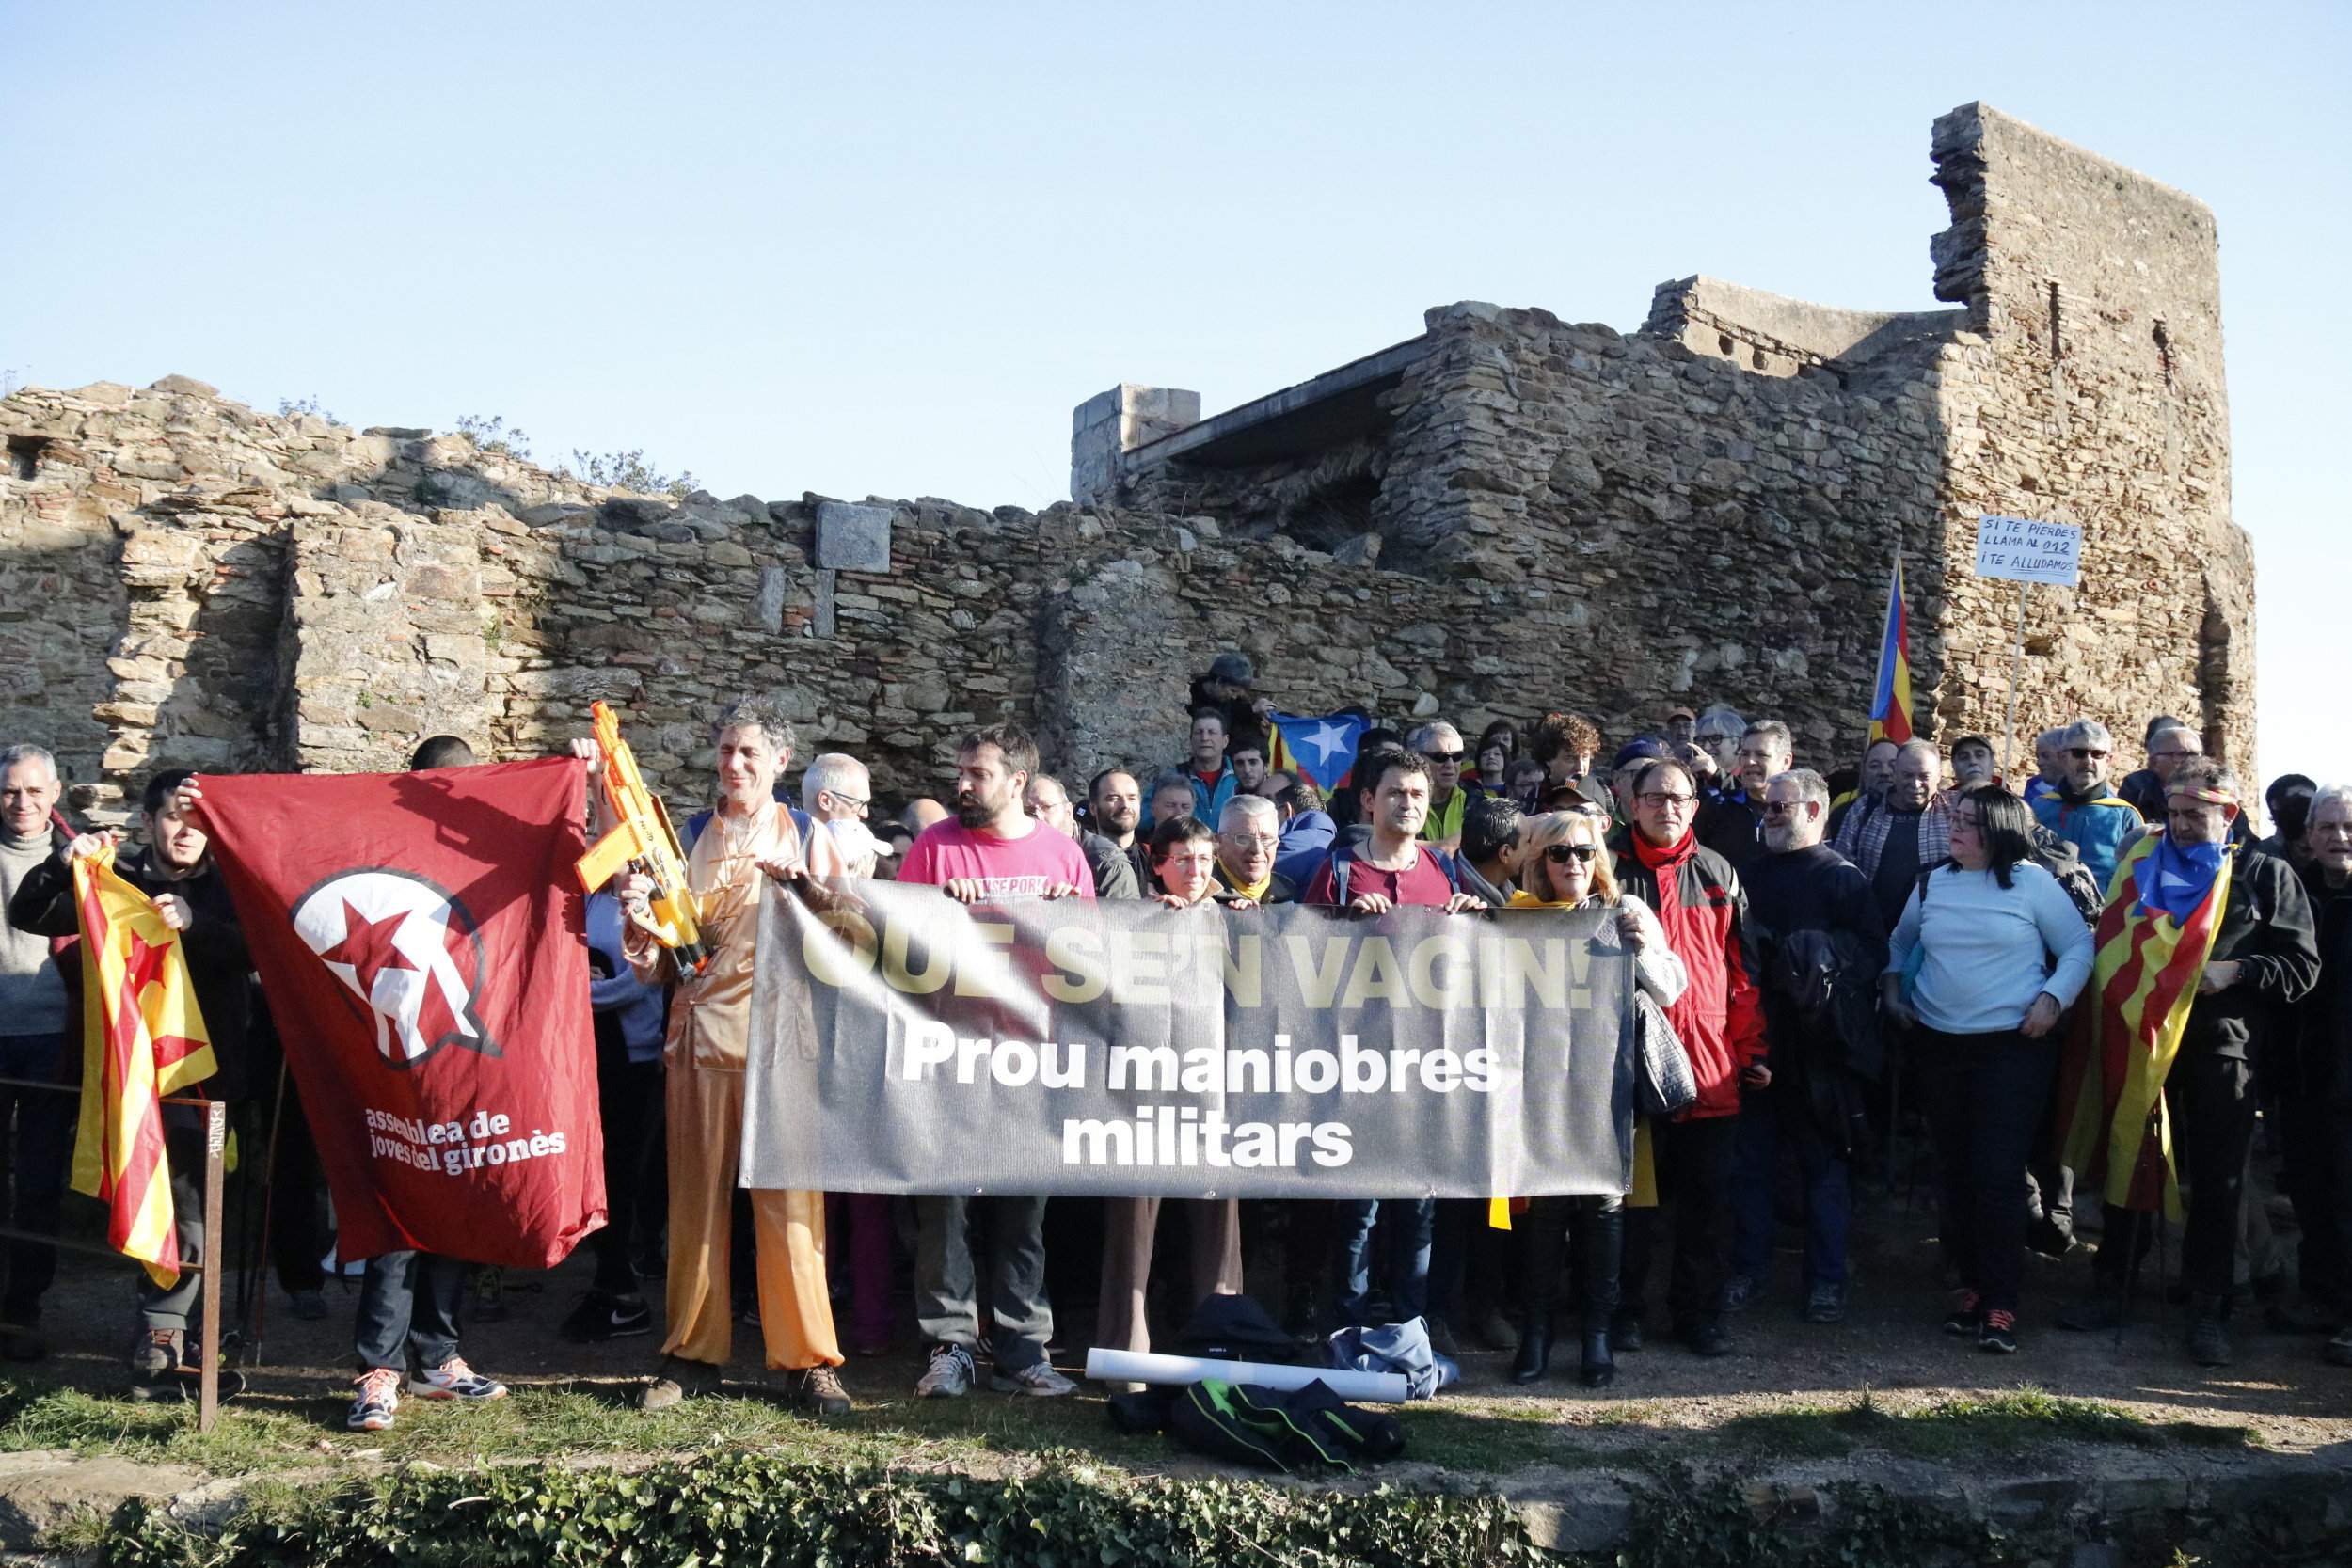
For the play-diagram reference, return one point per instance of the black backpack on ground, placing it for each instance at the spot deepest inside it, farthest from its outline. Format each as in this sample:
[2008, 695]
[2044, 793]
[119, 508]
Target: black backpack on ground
[1304, 1429]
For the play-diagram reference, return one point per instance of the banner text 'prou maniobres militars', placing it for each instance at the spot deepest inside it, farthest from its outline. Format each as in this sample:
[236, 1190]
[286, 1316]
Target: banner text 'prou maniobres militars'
[904, 1043]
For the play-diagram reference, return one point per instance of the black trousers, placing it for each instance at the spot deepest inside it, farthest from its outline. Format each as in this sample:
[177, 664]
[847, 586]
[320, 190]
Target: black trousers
[629, 1103]
[2212, 1102]
[1984, 1096]
[1695, 1159]
[2315, 1126]
[1470, 1263]
[296, 1239]
[1587, 1232]
[36, 1149]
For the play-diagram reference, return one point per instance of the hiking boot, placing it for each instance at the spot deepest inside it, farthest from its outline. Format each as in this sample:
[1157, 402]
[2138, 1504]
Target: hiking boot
[1441, 1339]
[2094, 1314]
[816, 1391]
[1738, 1290]
[453, 1380]
[1625, 1332]
[2337, 1351]
[155, 1354]
[950, 1375]
[1998, 1333]
[677, 1381]
[602, 1316]
[1705, 1336]
[1966, 1315]
[310, 1306]
[1825, 1304]
[374, 1406]
[1495, 1332]
[1037, 1379]
[2208, 1335]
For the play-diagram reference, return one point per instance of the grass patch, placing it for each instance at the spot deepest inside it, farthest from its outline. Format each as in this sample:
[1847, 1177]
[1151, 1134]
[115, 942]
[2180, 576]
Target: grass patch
[1960, 1427]
[1491, 1439]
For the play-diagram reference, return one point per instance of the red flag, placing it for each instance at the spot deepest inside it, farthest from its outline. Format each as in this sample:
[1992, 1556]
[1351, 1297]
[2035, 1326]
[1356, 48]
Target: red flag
[421, 938]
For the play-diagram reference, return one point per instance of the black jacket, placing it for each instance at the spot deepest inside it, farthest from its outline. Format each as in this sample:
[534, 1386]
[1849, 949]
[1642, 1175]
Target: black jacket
[2323, 1016]
[1114, 873]
[1733, 827]
[2268, 931]
[214, 944]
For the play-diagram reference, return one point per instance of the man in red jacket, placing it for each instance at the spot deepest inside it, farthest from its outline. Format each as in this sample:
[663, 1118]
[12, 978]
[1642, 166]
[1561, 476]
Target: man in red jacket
[1697, 898]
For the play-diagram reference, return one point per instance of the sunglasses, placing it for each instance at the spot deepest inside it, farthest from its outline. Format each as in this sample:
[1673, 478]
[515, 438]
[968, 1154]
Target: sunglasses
[1445, 756]
[2084, 751]
[1560, 854]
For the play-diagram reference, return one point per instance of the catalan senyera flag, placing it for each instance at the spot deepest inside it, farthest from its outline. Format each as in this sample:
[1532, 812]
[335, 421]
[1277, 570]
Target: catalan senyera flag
[2143, 982]
[142, 1039]
[1890, 693]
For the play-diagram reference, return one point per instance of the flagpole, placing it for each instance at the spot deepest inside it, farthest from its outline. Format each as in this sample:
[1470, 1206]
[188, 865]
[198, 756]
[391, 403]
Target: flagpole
[2016, 667]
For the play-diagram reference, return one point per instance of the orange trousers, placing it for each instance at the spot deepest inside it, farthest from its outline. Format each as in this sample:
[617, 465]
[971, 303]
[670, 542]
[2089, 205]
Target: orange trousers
[705, 1108]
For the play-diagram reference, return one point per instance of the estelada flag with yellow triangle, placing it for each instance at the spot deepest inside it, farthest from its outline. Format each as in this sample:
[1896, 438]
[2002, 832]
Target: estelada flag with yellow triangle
[142, 1039]
[2143, 981]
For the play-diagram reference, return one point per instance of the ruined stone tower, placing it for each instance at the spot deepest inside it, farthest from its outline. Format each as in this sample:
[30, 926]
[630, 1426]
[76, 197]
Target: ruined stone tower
[1503, 514]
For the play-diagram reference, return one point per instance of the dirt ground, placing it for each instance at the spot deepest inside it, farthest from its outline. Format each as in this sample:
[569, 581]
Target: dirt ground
[1890, 1345]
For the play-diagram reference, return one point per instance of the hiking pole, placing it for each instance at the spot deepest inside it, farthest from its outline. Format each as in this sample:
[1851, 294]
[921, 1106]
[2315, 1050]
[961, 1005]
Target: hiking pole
[2131, 1267]
[259, 1312]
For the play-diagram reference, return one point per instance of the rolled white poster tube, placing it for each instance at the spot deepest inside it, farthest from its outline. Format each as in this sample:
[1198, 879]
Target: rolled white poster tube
[1130, 1366]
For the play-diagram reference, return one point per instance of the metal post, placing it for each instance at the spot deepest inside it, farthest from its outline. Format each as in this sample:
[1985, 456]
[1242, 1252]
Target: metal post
[2016, 668]
[215, 1157]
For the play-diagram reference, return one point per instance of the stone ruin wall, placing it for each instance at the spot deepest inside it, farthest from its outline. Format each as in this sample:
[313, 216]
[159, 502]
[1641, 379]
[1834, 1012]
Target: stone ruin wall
[1556, 514]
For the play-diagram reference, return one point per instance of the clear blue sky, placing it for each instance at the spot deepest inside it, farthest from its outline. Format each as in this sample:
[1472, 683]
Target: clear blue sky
[884, 249]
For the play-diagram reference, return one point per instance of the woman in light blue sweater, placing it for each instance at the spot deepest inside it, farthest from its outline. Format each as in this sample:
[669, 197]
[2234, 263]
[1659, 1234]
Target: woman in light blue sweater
[1989, 954]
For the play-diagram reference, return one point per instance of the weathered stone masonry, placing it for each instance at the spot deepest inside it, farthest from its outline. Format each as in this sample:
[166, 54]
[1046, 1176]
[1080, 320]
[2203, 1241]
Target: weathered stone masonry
[1504, 514]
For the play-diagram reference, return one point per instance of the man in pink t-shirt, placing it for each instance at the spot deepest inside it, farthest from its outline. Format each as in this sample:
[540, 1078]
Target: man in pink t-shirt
[991, 848]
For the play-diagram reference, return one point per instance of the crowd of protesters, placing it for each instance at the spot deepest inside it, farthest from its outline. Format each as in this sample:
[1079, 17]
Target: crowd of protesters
[1928, 930]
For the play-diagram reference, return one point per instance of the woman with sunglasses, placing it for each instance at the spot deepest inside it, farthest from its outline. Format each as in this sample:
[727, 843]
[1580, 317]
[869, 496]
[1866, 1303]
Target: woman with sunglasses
[1565, 867]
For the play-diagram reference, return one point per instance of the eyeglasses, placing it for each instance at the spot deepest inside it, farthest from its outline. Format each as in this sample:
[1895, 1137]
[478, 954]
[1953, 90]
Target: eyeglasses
[862, 803]
[1658, 800]
[1560, 854]
[2080, 751]
[1782, 808]
[1266, 841]
[1445, 756]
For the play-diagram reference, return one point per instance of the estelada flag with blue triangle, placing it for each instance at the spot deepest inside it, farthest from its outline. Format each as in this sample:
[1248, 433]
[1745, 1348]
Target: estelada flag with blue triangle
[143, 1038]
[1890, 693]
[1320, 749]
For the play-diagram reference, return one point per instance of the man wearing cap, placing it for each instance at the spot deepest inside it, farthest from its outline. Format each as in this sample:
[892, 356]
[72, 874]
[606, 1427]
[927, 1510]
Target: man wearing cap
[1631, 758]
[1682, 726]
[2260, 955]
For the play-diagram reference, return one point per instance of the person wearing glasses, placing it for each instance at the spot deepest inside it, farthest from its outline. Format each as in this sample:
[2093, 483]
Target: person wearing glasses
[1247, 836]
[1185, 860]
[1441, 743]
[1566, 867]
[837, 791]
[1704, 909]
[1048, 800]
[2082, 808]
[2168, 742]
[1822, 949]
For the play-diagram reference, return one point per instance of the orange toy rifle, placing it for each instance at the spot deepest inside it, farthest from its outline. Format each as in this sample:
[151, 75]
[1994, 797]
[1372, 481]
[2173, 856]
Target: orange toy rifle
[643, 842]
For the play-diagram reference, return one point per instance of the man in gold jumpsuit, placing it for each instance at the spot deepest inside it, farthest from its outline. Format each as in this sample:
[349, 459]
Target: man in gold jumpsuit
[729, 852]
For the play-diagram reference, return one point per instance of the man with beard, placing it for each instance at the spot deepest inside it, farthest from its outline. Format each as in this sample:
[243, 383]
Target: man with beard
[1821, 949]
[2188, 901]
[991, 848]
[1390, 867]
[748, 839]
[1733, 826]
[1049, 802]
[1115, 800]
[1245, 754]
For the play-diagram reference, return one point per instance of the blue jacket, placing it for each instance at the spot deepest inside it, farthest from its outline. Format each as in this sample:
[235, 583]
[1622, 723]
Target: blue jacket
[1306, 843]
[2099, 828]
[639, 1005]
[1208, 803]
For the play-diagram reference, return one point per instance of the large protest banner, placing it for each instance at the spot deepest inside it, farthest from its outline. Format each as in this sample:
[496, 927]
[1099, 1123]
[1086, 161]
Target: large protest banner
[420, 937]
[904, 1043]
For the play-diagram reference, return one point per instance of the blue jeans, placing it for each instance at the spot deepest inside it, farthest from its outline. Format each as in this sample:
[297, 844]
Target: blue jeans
[408, 1306]
[36, 1146]
[1767, 1119]
[1409, 1279]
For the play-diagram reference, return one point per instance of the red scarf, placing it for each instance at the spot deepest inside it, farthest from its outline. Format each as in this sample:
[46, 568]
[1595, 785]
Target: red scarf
[1665, 863]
